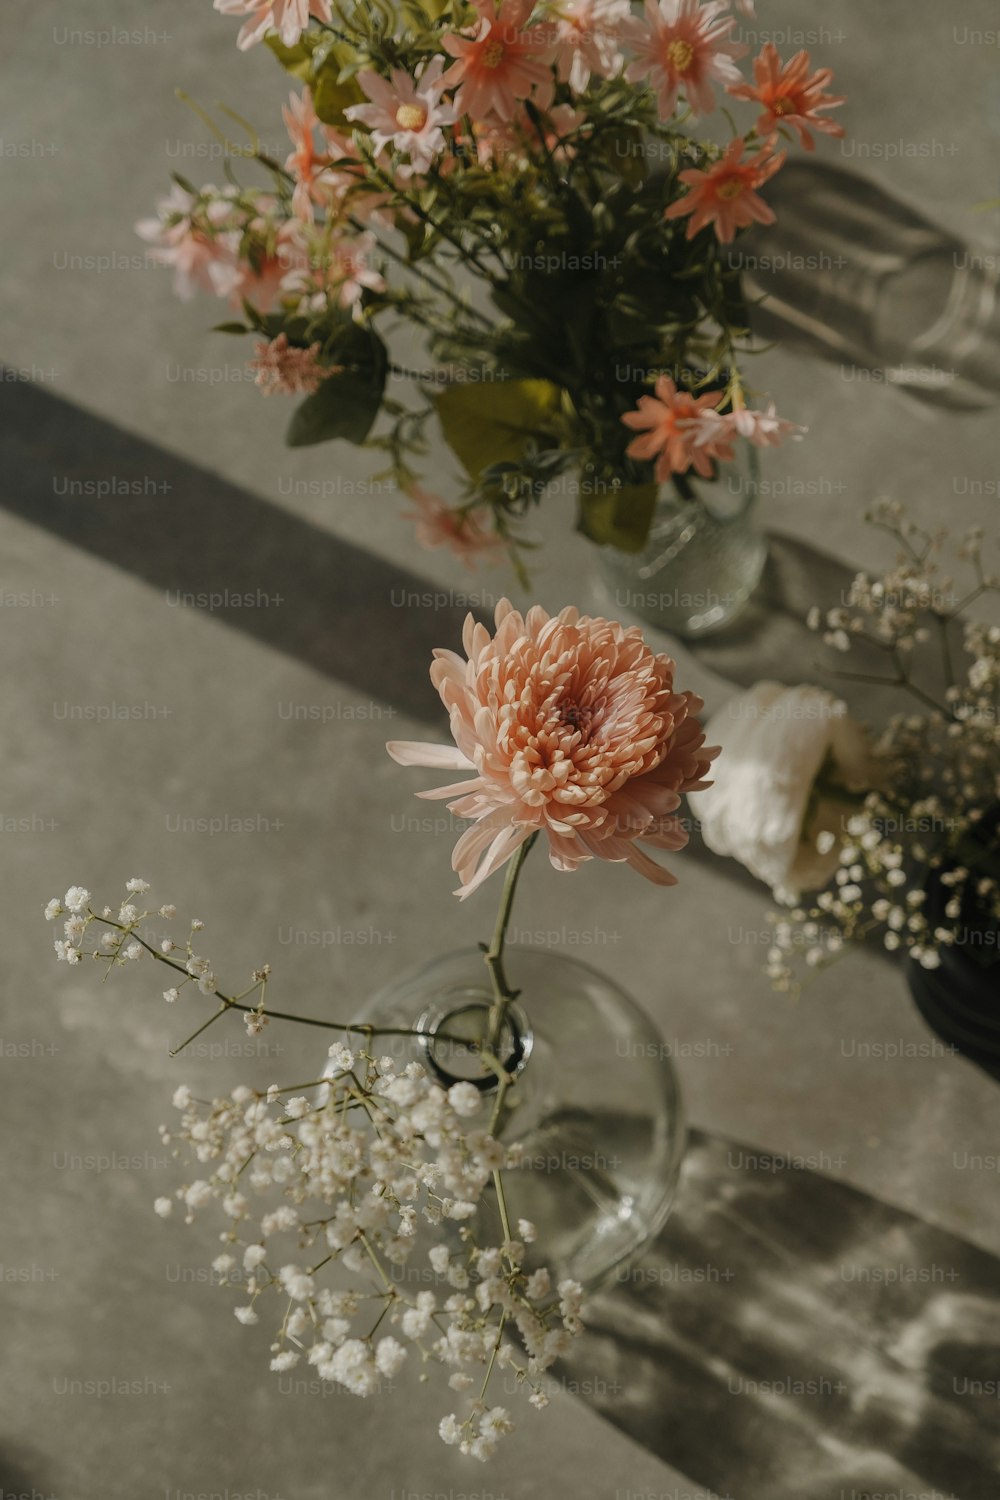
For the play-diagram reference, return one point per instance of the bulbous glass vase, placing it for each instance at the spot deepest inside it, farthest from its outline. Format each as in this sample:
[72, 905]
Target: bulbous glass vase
[594, 1110]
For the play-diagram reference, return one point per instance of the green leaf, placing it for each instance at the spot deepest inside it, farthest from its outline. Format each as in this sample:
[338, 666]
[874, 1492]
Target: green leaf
[333, 93]
[297, 59]
[490, 422]
[618, 518]
[230, 328]
[345, 406]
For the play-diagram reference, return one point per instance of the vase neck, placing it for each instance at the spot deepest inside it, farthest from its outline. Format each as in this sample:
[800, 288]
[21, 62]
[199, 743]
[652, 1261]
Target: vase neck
[451, 1040]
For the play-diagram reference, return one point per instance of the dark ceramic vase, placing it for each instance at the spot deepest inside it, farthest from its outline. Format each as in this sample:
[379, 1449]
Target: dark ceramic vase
[960, 1000]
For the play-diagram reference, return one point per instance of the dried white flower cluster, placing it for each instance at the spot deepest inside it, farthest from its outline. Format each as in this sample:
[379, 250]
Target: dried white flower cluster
[938, 770]
[373, 1168]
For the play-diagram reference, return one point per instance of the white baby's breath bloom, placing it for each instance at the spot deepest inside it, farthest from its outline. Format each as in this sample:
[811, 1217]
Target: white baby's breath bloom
[450, 1430]
[465, 1099]
[390, 1356]
[342, 1057]
[137, 887]
[53, 909]
[164, 1207]
[76, 899]
[170, 996]
[246, 1314]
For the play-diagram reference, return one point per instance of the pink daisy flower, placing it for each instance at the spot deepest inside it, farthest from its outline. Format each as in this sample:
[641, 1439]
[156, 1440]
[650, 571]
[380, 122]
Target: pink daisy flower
[502, 63]
[195, 240]
[406, 113]
[571, 727]
[790, 96]
[587, 40]
[726, 195]
[332, 269]
[764, 429]
[281, 368]
[438, 525]
[682, 44]
[672, 430]
[289, 18]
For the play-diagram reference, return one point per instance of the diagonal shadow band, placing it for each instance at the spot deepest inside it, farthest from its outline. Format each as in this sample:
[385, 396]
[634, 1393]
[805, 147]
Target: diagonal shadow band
[788, 1337]
[178, 527]
[181, 528]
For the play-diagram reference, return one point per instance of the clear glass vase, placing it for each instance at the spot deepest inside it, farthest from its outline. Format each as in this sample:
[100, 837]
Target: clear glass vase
[704, 556]
[594, 1111]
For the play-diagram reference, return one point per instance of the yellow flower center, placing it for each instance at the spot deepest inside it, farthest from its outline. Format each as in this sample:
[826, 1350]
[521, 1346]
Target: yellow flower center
[411, 117]
[680, 55]
[731, 188]
[783, 107]
[493, 54]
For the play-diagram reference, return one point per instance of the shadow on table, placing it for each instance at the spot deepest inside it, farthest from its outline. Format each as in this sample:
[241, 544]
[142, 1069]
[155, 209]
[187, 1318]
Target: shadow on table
[252, 565]
[792, 1338]
[15, 1483]
[319, 598]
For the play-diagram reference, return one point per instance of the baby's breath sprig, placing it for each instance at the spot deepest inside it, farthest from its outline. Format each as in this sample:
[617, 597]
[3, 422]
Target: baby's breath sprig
[926, 827]
[327, 1197]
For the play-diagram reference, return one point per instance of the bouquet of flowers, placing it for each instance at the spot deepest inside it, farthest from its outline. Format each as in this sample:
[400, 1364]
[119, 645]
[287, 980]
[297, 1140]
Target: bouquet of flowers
[513, 187]
[898, 832]
[327, 1188]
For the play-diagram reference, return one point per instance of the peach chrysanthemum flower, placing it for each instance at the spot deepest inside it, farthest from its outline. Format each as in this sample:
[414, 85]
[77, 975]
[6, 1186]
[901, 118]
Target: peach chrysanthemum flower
[283, 369]
[726, 195]
[439, 525]
[502, 63]
[673, 430]
[289, 18]
[572, 728]
[683, 44]
[789, 96]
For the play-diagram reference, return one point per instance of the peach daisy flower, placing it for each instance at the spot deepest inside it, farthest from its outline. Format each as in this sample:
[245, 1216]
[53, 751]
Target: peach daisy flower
[502, 63]
[438, 525]
[289, 18]
[571, 727]
[406, 113]
[672, 429]
[682, 44]
[789, 96]
[726, 195]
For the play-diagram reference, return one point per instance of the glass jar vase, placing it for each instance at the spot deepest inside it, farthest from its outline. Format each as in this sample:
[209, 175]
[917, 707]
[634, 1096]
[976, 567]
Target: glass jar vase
[594, 1112]
[703, 558]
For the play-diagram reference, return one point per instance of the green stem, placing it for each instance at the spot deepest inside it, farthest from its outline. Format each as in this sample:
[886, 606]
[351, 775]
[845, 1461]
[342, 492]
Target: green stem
[493, 957]
[227, 1002]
